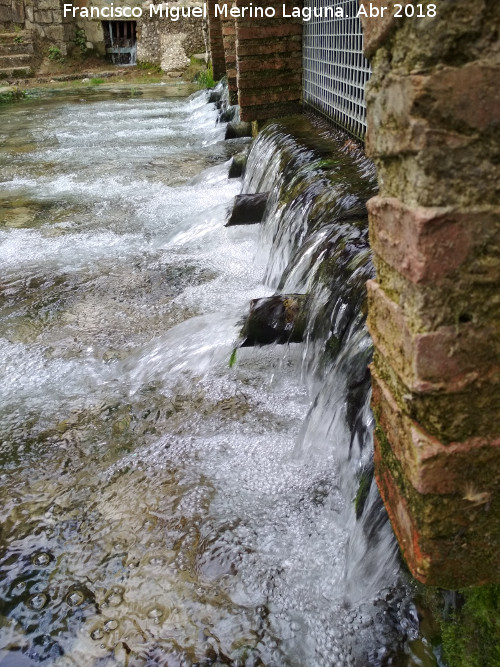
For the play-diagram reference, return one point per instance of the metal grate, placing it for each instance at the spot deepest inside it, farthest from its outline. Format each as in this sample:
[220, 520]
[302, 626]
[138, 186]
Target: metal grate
[335, 70]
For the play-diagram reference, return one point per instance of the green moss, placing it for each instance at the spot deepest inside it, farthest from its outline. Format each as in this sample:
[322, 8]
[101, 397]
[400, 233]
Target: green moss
[149, 67]
[468, 622]
[471, 638]
[13, 95]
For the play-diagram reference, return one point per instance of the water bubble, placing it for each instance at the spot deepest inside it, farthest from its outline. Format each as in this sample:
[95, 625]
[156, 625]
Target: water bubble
[156, 613]
[156, 560]
[18, 588]
[110, 625]
[75, 598]
[97, 633]
[114, 597]
[38, 601]
[42, 558]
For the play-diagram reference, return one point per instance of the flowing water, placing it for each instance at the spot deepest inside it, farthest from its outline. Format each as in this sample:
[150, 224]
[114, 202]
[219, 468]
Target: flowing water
[159, 507]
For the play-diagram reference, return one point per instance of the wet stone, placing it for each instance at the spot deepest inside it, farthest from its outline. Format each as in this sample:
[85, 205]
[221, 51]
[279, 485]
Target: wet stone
[41, 559]
[38, 601]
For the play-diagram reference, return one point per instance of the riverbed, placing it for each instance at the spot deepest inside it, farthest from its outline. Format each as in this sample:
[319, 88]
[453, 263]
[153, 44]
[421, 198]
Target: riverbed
[156, 508]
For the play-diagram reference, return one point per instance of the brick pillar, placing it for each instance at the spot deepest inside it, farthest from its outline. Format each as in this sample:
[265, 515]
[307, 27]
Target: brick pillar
[229, 39]
[434, 308]
[215, 41]
[269, 63]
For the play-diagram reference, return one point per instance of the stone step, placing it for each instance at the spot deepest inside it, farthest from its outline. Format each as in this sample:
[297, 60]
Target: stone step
[16, 47]
[11, 72]
[15, 60]
[12, 37]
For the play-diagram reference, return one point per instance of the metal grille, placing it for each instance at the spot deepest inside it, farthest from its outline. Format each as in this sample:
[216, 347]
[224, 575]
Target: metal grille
[335, 70]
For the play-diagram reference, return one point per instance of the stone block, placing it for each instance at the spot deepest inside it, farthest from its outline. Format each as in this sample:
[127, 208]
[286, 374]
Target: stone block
[377, 29]
[448, 359]
[431, 466]
[423, 244]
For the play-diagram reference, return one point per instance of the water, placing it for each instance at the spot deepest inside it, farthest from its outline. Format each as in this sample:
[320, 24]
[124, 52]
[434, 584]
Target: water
[159, 507]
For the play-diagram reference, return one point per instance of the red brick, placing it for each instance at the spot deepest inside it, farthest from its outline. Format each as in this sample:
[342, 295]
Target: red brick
[431, 466]
[423, 244]
[448, 359]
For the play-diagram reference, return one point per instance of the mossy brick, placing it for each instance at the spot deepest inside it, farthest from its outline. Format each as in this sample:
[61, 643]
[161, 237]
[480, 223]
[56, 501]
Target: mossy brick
[448, 359]
[449, 417]
[431, 465]
[435, 532]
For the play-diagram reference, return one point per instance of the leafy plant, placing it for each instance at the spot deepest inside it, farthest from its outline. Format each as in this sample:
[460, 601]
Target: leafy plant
[55, 55]
[205, 78]
[95, 81]
[81, 40]
[18, 39]
[12, 95]
[149, 67]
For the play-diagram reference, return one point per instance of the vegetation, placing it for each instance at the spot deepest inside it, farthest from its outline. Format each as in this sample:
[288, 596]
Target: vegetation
[466, 624]
[471, 636]
[80, 41]
[95, 81]
[205, 78]
[149, 67]
[54, 54]
[12, 95]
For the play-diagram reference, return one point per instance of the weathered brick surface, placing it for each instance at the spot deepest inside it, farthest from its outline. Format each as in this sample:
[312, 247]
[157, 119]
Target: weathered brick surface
[431, 466]
[215, 41]
[446, 540]
[432, 361]
[434, 309]
[269, 64]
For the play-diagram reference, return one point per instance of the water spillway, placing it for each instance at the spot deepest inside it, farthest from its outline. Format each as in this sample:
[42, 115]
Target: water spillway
[158, 505]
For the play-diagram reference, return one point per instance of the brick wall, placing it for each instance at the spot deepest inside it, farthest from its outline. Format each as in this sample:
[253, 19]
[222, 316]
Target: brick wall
[269, 64]
[229, 42]
[434, 308]
[215, 41]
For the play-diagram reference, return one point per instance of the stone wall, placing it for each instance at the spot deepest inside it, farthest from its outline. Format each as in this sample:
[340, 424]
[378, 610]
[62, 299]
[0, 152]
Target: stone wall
[434, 308]
[46, 20]
[11, 13]
[169, 43]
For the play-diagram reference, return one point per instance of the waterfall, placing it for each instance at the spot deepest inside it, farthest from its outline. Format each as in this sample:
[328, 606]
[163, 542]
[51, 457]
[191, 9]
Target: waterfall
[315, 235]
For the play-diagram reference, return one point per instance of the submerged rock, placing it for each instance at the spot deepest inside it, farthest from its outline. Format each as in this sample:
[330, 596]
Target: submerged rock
[248, 209]
[238, 164]
[276, 319]
[238, 130]
[214, 95]
[229, 114]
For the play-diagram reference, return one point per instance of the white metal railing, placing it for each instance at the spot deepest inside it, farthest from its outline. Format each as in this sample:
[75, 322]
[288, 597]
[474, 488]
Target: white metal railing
[335, 70]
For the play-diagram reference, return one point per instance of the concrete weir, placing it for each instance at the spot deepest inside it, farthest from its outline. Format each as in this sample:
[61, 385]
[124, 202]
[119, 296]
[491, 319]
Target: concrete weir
[432, 115]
